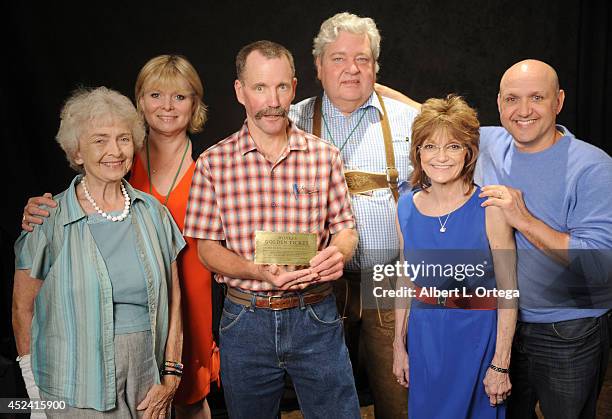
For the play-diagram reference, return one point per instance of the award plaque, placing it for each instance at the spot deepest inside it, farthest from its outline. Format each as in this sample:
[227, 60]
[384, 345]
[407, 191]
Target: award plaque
[284, 248]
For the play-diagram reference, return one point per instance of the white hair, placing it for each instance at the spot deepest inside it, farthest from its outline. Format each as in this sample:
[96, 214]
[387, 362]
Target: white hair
[87, 107]
[347, 22]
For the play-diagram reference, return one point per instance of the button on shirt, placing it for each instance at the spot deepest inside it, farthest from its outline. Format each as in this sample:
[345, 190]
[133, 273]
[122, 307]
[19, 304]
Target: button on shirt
[73, 326]
[375, 212]
[235, 192]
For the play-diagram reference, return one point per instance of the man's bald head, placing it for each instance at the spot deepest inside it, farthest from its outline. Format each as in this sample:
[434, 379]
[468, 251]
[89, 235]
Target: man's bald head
[531, 69]
[529, 100]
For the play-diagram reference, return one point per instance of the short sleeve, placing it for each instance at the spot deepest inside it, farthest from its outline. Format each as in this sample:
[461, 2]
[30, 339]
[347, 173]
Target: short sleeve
[33, 252]
[590, 218]
[590, 222]
[203, 218]
[339, 212]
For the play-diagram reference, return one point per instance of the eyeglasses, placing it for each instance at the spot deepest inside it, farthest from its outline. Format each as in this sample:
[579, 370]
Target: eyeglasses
[430, 149]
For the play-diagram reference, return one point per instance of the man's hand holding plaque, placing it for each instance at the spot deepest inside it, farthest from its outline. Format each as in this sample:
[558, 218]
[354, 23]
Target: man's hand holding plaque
[282, 258]
[283, 279]
[327, 265]
[290, 261]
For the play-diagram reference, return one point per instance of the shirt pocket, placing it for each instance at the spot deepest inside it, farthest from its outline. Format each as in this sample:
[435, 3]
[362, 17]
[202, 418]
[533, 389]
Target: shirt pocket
[305, 208]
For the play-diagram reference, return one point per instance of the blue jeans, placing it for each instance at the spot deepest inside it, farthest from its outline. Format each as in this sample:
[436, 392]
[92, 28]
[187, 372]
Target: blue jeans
[259, 346]
[563, 365]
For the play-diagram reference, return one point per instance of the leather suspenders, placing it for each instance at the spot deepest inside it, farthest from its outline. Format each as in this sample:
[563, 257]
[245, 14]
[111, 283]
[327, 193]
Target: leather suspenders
[359, 181]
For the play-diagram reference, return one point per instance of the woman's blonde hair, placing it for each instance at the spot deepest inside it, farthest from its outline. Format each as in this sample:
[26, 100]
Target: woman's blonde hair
[165, 70]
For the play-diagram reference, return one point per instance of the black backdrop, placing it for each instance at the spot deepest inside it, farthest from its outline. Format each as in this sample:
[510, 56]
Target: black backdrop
[429, 48]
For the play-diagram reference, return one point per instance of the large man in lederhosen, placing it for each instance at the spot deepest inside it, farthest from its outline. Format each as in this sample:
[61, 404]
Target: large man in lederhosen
[373, 136]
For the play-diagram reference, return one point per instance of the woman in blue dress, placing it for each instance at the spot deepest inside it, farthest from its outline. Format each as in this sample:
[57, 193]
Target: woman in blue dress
[454, 351]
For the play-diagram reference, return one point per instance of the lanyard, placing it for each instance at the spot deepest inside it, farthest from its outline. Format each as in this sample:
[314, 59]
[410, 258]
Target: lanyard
[350, 133]
[175, 175]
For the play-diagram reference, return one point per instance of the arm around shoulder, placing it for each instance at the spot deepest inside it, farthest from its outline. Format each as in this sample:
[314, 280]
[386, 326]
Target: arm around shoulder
[387, 91]
[34, 212]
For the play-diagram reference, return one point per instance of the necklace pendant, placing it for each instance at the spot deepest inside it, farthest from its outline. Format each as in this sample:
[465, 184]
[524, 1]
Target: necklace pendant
[443, 224]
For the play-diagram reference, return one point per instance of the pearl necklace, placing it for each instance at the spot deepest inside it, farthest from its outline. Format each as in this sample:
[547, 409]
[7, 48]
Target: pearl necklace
[126, 208]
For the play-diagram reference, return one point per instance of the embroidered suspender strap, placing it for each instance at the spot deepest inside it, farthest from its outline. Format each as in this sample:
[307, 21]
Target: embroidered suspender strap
[358, 181]
[392, 173]
[316, 118]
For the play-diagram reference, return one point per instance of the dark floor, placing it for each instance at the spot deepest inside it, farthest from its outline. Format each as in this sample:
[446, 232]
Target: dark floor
[604, 408]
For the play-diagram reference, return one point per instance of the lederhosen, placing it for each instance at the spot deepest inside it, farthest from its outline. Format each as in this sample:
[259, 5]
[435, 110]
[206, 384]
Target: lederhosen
[358, 181]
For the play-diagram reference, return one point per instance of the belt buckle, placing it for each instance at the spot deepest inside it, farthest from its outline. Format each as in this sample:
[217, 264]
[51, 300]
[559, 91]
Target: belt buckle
[442, 300]
[270, 297]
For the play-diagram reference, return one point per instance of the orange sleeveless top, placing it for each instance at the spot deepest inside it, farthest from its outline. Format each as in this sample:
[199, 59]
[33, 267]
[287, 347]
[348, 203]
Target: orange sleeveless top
[199, 356]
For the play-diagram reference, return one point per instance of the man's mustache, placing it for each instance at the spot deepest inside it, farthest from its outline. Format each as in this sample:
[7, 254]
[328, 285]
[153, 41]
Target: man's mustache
[270, 111]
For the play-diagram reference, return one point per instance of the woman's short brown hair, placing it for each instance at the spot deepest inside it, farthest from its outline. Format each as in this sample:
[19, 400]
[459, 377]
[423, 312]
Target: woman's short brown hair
[165, 70]
[454, 116]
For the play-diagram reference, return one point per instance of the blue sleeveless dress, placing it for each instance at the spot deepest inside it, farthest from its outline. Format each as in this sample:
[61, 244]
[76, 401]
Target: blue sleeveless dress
[449, 350]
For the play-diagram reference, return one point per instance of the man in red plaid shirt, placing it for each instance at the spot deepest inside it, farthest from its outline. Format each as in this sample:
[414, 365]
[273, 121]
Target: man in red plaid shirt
[270, 176]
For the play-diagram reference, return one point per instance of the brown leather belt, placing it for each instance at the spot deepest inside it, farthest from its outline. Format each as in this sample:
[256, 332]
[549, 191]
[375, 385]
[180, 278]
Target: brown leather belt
[311, 295]
[467, 303]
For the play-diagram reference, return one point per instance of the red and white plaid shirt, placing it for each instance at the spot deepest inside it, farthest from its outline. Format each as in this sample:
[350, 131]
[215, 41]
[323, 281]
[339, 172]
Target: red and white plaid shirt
[235, 191]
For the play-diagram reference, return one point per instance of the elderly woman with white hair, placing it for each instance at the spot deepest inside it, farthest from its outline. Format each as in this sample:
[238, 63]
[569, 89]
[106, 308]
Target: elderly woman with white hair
[96, 297]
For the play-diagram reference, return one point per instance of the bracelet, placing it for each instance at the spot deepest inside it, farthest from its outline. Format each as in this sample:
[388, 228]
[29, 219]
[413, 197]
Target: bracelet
[499, 369]
[171, 372]
[174, 364]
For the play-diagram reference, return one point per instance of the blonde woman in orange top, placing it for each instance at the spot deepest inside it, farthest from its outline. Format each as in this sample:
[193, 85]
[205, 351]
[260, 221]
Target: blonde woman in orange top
[169, 94]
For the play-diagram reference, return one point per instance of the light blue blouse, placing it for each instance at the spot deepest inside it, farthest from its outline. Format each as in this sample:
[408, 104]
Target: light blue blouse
[117, 243]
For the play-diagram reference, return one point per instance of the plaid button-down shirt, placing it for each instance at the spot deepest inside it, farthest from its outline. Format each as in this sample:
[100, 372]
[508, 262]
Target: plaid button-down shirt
[235, 192]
